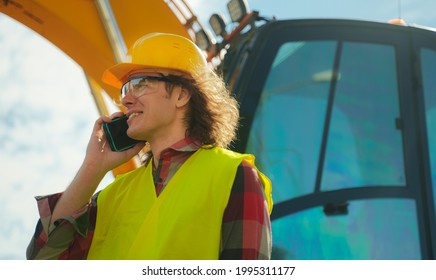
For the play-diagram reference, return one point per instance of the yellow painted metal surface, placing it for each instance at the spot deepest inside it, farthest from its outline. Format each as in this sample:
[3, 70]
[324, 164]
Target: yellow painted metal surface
[76, 28]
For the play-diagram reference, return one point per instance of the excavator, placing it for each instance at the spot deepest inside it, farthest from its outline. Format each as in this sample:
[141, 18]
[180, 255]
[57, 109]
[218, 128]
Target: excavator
[339, 113]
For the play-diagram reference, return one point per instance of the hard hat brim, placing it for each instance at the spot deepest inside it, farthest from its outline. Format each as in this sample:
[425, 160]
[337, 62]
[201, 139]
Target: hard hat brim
[118, 74]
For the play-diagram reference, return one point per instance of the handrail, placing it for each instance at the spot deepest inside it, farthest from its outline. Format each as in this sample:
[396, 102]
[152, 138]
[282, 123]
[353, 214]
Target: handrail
[186, 16]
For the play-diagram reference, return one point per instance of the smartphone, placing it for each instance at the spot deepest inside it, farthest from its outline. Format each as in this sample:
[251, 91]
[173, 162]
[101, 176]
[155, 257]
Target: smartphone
[116, 134]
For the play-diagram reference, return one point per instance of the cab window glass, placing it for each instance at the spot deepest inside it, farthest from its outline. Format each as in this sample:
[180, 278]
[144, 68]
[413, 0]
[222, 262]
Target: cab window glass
[364, 145]
[287, 128]
[361, 234]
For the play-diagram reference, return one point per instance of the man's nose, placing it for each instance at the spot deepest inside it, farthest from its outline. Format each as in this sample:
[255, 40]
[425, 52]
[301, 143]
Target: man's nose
[127, 100]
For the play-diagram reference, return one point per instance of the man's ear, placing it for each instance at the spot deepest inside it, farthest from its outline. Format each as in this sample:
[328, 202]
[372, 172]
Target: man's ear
[183, 97]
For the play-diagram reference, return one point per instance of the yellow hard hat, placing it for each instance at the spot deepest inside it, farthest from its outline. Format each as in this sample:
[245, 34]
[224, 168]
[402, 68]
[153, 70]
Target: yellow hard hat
[159, 52]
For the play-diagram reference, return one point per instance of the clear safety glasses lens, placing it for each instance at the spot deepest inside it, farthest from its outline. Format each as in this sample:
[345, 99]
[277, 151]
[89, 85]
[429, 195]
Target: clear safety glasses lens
[138, 86]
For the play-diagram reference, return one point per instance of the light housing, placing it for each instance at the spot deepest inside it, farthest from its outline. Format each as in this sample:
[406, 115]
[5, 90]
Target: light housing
[237, 9]
[218, 25]
[202, 39]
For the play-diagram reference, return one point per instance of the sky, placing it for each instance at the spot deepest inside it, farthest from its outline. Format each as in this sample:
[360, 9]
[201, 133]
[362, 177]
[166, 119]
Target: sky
[47, 111]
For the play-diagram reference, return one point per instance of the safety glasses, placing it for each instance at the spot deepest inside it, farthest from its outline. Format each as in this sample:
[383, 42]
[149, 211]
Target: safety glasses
[142, 85]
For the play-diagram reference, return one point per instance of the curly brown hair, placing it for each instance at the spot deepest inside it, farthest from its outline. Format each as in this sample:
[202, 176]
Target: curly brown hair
[213, 113]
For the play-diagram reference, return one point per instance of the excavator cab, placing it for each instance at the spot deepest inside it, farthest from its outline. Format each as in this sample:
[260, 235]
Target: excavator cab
[340, 115]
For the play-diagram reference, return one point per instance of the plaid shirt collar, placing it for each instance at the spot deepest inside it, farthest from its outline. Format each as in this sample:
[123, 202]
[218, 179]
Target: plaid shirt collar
[188, 144]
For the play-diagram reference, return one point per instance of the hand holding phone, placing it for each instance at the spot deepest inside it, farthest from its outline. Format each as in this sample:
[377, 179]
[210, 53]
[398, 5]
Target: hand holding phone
[116, 134]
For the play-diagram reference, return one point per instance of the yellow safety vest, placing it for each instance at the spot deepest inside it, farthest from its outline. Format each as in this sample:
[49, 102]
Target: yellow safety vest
[183, 222]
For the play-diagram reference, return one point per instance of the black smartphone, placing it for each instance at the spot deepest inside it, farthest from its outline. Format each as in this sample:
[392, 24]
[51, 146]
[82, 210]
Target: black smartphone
[116, 134]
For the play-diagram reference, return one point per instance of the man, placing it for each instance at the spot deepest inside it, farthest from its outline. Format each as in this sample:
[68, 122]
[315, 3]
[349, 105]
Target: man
[192, 198]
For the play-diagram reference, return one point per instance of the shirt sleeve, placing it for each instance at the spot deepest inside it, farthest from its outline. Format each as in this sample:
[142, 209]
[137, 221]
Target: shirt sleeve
[66, 238]
[246, 229]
